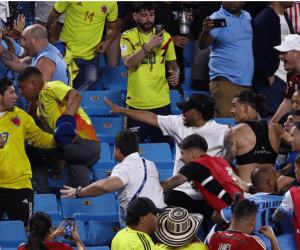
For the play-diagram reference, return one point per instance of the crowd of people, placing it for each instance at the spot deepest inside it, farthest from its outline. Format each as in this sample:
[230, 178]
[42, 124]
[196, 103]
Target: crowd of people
[243, 178]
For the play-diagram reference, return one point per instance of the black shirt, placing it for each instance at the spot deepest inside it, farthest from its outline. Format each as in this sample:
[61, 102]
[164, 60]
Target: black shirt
[199, 173]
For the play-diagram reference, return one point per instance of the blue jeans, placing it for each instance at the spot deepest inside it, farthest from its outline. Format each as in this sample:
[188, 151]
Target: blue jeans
[88, 74]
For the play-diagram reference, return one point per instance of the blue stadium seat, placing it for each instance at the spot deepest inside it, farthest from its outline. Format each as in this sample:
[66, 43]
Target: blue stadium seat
[159, 153]
[121, 87]
[108, 165]
[105, 153]
[81, 232]
[103, 60]
[12, 233]
[47, 203]
[188, 78]
[188, 54]
[165, 174]
[102, 232]
[93, 101]
[99, 174]
[114, 75]
[107, 127]
[229, 121]
[186, 94]
[175, 97]
[100, 208]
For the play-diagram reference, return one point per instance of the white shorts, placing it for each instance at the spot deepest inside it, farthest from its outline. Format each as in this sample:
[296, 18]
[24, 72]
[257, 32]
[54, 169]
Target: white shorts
[43, 9]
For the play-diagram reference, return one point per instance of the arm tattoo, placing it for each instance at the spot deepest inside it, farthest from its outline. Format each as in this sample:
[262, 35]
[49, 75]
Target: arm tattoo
[7, 55]
[228, 154]
[173, 182]
[279, 215]
[172, 65]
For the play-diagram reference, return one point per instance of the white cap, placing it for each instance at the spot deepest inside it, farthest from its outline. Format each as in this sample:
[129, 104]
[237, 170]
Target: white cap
[290, 42]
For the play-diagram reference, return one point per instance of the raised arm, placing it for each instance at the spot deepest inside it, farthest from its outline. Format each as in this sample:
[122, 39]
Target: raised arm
[13, 62]
[229, 151]
[173, 182]
[135, 58]
[53, 28]
[205, 38]
[285, 106]
[174, 72]
[138, 115]
[73, 97]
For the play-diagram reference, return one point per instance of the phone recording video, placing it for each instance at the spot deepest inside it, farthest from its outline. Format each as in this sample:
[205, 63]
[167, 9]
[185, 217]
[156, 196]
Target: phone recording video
[70, 225]
[219, 23]
[159, 28]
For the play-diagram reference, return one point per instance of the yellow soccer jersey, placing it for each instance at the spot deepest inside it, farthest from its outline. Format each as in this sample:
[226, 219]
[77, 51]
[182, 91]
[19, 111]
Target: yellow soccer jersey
[51, 106]
[84, 24]
[147, 89]
[190, 246]
[15, 127]
[129, 239]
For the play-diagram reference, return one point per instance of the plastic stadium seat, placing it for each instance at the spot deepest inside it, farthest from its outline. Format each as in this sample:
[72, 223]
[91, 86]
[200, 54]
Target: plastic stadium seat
[100, 174]
[114, 75]
[108, 165]
[12, 233]
[93, 101]
[165, 174]
[47, 203]
[57, 183]
[188, 54]
[175, 97]
[107, 127]
[100, 208]
[229, 121]
[103, 60]
[102, 232]
[186, 94]
[188, 78]
[121, 87]
[105, 153]
[81, 232]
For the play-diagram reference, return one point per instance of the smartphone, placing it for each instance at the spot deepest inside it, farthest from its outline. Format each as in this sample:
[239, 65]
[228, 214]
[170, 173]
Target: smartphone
[70, 225]
[159, 28]
[219, 23]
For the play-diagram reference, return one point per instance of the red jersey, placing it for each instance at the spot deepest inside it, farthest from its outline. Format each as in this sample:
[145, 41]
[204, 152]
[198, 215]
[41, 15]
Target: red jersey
[236, 240]
[58, 245]
[223, 173]
[293, 83]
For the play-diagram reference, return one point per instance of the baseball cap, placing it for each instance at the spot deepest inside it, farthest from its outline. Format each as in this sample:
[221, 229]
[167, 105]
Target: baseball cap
[65, 130]
[198, 101]
[290, 42]
[142, 206]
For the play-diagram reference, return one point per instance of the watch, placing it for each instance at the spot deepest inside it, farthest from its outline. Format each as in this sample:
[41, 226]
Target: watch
[77, 192]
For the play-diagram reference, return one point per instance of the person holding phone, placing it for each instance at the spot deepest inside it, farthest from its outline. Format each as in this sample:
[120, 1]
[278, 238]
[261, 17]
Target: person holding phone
[231, 63]
[41, 235]
[145, 55]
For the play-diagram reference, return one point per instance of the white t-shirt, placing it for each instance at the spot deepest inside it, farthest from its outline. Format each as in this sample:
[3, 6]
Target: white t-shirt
[285, 30]
[131, 172]
[213, 133]
[287, 204]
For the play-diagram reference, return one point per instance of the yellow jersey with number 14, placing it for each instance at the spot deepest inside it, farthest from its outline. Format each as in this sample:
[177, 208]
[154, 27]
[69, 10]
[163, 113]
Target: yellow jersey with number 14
[147, 84]
[84, 24]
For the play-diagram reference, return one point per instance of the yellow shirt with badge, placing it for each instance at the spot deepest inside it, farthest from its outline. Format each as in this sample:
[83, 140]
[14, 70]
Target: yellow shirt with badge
[147, 88]
[51, 106]
[16, 126]
[84, 24]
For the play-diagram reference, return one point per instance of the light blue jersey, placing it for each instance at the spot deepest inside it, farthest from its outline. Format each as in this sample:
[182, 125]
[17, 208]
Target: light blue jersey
[284, 230]
[62, 72]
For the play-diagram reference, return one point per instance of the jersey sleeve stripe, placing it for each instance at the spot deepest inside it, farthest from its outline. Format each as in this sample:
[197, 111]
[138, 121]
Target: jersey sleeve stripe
[111, 21]
[166, 46]
[260, 242]
[130, 42]
[223, 216]
[143, 241]
[282, 209]
[146, 241]
[56, 11]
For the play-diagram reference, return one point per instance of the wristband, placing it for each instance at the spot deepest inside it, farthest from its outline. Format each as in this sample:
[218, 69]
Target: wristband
[251, 190]
[143, 47]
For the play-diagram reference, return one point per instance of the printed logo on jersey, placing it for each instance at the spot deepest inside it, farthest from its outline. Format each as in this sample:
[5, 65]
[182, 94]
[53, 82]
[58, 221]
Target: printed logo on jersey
[230, 173]
[79, 4]
[43, 106]
[263, 151]
[104, 9]
[15, 121]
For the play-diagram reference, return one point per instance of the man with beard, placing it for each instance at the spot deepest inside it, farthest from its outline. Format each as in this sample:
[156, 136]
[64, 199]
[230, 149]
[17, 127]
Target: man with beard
[229, 74]
[145, 53]
[197, 117]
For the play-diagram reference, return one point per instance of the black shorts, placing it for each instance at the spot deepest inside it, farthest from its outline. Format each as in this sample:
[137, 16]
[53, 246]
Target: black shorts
[17, 203]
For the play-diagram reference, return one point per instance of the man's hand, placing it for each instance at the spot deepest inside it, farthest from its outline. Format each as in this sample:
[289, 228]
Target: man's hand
[60, 231]
[267, 232]
[14, 34]
[69, 192]
[75, 234]
[208, 24]
[19, 24]
[115, 109]
[155, 40]
[76, 137]
[190, 15]
[271, 79]
[2, 141]
[243, 185]
[174, 78]
[194, 186]
[180, 41]
[108, 173]
[101, 47]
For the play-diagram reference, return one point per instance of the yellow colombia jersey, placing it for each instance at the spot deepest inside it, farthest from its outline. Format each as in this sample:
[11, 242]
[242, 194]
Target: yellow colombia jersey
[129, 239]
[15, 127]
[190, 246]
[51, 106]
[147, 89]
[84, 24]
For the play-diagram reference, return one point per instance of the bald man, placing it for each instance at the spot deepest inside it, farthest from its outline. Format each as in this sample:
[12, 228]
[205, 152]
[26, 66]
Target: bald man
[268, 199]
